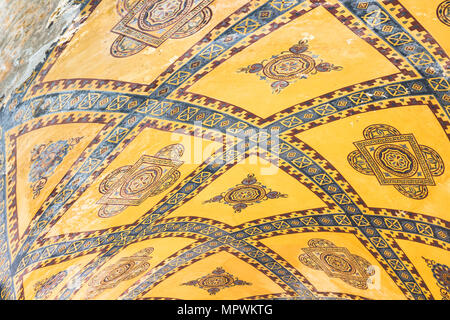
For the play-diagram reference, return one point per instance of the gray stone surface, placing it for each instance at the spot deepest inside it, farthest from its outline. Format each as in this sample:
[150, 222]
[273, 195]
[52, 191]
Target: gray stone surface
[28, 28]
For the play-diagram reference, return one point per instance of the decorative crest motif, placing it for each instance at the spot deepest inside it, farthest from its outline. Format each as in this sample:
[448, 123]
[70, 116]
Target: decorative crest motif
[217, 280]
[396, 159]
[45, 287]
[152, 22]
[289, 66]
[443, 12]
[249, 192]
[133, 184]
[441, 273]
[44, 160]
[337, 262]
[125, 269]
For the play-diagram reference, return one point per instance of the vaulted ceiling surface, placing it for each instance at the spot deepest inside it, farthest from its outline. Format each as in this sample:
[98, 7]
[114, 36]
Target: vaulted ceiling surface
[213, 149]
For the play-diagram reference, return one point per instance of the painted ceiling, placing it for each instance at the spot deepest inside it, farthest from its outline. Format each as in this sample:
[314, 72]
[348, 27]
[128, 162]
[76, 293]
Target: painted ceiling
[214, 149]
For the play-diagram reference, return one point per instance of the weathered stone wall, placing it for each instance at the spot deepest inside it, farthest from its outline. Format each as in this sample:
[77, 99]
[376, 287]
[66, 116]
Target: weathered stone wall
[28, 28]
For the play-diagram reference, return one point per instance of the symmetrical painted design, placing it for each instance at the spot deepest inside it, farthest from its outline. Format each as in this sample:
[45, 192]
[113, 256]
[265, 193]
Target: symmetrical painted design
[45, 158]
[397, 159]
[441, 273]
[337, 262]
[443, 12]
[126, 268]
[249, 192]
[132, 185]
[152, 22]
[217, 280]
[45, 287]
[289, 66]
